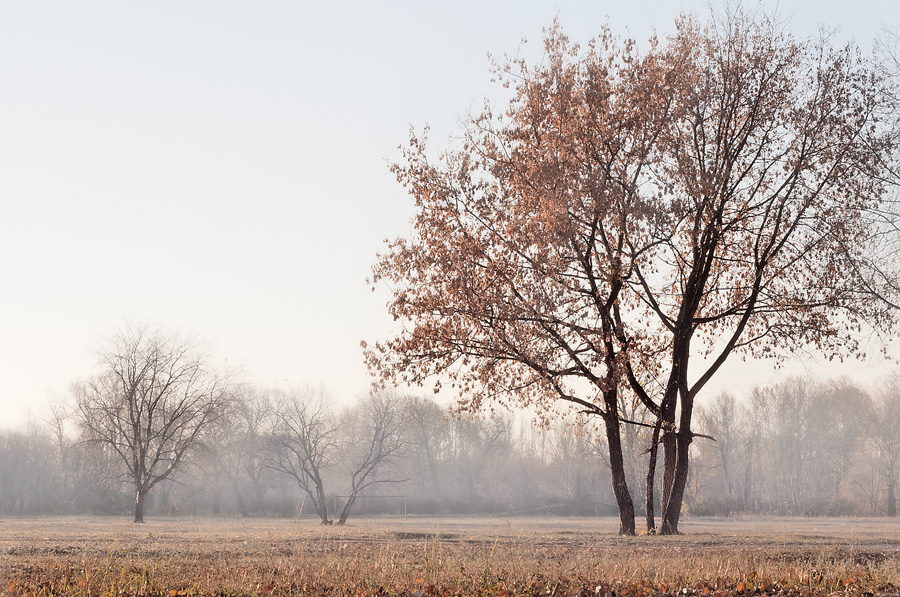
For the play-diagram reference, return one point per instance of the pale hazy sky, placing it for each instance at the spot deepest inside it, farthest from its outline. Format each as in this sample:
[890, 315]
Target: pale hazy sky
[219, 168]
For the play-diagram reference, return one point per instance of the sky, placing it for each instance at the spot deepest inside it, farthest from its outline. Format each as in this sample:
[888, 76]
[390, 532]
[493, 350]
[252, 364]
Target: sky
[220, 169]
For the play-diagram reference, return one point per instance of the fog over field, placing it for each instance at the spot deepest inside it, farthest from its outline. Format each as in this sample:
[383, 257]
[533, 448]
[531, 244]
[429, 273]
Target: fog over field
[633, 264]
[807, 447]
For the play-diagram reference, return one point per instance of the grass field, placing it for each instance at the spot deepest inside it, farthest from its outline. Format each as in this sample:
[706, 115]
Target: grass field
[446, 556]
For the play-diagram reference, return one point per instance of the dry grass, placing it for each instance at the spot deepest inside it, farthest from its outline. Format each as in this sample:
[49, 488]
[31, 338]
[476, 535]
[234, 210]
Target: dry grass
[172, 557]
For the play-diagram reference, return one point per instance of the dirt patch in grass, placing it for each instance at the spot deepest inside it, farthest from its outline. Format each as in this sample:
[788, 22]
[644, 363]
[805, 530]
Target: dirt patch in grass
[447, 556]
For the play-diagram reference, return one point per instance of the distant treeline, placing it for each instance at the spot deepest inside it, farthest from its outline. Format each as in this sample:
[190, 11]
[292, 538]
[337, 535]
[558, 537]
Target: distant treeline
[244, 464]
[803, 447]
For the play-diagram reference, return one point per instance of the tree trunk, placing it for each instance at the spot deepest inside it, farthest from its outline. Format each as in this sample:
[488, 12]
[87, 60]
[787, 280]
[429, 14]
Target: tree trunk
[670, 456]
[319, 501]
[672, 511]
[651, 476]
[748, 478]
[726, 471]
[891, 498]
[345, 512]
[139, 505]
[617, 465]
[677, 443]
[260, 494]
[239, 497]
[684, 438]
[435, 480]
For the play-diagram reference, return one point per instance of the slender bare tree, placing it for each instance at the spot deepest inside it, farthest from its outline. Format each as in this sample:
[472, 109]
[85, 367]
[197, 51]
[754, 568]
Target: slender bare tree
[152, 400]
[304, 442]
[238, 446]
[373, 439]
[885, 435]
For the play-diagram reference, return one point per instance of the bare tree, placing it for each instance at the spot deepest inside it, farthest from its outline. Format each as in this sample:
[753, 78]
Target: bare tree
[28, 472]
[572, 456]
[888, 46]
[255, 416]
[373, 439]
[720, 419]
[57, 417]
[151, 402]
[238, 444]
[304, 442]
[794, 448]
[477, 447]
[429, 432]
[885, 435]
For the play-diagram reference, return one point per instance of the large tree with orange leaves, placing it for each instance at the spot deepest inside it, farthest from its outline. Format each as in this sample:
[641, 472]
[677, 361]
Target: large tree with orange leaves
[633, 209]
[777, 172]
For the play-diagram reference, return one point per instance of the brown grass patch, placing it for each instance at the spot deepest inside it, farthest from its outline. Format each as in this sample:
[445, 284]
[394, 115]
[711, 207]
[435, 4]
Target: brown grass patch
[524, 556]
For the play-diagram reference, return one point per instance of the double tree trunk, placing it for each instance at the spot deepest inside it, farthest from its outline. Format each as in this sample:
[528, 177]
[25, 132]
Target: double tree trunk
[672, 511]
[676, 444]
[670, 456]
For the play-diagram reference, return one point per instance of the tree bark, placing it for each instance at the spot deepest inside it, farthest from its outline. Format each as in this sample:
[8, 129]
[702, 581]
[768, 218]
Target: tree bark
[139, 505]
[345, 512]
[617, 465]
[684, 437]
[321, 502]
[672, 512]
[676, 449]
[651, 477]
[669, 462]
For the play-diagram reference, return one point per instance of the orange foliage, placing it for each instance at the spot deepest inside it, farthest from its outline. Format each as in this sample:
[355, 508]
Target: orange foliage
[630, 209]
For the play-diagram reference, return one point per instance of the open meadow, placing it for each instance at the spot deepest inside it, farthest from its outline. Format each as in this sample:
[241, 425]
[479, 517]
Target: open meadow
[81, 556]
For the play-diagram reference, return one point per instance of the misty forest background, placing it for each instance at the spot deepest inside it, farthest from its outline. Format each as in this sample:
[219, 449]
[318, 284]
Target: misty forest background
[155, 430]
[803, 447]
